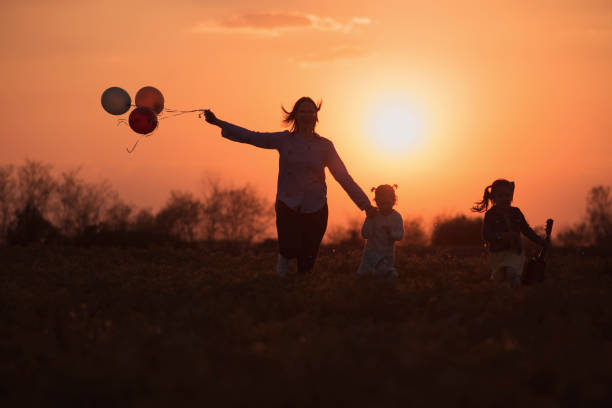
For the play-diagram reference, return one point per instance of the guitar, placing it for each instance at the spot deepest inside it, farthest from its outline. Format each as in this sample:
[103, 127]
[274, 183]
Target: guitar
[535, 268]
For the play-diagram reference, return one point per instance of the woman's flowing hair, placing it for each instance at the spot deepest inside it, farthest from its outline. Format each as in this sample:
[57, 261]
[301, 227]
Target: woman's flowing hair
[290, 115]
[489, 192]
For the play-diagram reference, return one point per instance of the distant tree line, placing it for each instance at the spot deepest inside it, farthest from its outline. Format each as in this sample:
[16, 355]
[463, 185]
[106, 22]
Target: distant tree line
[38, 207]
[594, 230]
[447, 231]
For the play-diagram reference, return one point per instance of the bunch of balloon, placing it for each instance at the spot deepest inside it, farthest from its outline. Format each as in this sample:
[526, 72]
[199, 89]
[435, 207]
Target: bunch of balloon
[149, 103]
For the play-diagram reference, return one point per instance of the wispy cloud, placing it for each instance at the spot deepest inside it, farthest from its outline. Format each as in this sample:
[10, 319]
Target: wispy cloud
[275, 23]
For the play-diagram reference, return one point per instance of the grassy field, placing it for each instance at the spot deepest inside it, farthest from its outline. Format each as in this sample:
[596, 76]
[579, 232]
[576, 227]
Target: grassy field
[215, 327]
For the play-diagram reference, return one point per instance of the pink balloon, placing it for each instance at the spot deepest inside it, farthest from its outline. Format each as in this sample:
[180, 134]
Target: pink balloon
[151, 98]
[143, 120]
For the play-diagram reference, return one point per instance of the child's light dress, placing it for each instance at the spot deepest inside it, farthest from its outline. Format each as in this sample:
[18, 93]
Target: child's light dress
[502, 259]
[378, 254]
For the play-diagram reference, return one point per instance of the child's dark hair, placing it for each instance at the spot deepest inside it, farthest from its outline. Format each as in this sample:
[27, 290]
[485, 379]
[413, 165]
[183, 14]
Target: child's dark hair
[489, 192]
[385, 189]
[290, 116]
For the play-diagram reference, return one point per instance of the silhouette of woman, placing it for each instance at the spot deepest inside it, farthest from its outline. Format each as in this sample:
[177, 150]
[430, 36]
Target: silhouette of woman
[301, 197]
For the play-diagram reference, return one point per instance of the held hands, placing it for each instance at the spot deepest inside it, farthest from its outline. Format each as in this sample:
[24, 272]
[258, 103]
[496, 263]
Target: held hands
[210, 117]
[371, 211]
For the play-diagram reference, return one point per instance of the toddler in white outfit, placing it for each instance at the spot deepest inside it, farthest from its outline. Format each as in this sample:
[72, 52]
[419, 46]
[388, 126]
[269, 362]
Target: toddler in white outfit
[381, 231]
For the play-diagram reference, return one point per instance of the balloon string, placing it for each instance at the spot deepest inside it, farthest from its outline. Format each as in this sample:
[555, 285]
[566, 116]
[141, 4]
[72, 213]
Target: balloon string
[171, 116]
[135, 144]
[183, 111]
[174, 112]
[178, 112]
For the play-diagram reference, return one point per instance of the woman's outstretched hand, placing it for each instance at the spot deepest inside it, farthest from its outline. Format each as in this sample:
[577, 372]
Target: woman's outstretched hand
[210, 117]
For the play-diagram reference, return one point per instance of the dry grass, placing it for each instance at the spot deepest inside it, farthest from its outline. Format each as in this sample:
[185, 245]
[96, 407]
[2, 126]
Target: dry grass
[214, 327]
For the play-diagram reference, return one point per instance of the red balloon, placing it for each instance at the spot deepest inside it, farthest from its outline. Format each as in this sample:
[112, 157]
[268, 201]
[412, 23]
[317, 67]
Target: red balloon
[143, 120]
[151, 98]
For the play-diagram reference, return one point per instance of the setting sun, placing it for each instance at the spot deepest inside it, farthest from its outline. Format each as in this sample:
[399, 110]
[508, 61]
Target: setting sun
[396, 126]
[441, 98]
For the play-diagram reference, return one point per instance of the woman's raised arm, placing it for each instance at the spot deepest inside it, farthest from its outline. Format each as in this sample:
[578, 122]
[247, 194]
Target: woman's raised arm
[265, 140]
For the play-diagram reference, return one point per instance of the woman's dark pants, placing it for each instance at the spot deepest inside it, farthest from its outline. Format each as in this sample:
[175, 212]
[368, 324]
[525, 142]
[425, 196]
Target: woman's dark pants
[300, 234]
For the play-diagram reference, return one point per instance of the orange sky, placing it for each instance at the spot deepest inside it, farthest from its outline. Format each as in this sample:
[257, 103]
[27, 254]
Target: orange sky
[498, 89]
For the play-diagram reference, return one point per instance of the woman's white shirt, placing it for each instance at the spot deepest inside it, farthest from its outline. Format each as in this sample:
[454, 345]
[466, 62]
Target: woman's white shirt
[301, 167]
